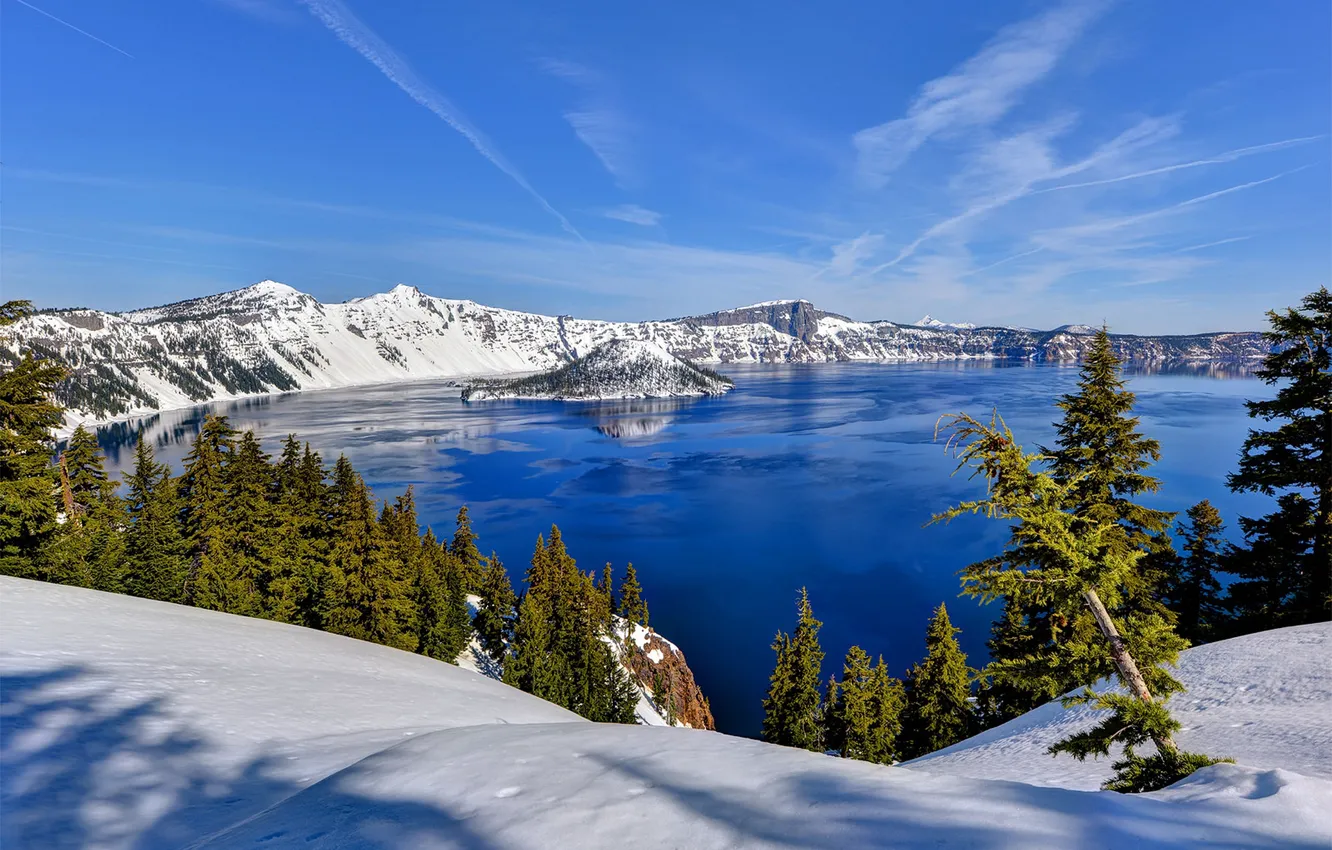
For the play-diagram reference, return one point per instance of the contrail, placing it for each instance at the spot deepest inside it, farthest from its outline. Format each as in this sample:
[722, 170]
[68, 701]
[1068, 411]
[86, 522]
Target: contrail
[71, 26]
[352, 32]
[1228, 156]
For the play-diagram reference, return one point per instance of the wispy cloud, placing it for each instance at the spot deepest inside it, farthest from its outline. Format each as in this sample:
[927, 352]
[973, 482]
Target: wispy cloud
[1215, 244]
[71, 26]
[978, 92]
[356, 35]
[634, 214]
[847, 256]
[597, 122]
[271, 11]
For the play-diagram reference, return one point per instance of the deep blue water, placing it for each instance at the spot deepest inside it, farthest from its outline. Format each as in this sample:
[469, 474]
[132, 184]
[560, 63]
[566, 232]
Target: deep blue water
[820, 476]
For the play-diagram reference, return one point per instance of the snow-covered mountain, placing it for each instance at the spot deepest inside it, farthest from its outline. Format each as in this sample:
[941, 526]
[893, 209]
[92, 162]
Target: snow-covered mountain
[930, 322]
[615, 369]
[131, 723]
[271, 338]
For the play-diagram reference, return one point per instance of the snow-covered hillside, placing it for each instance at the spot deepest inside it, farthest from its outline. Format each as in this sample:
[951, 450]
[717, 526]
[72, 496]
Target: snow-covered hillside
[271, 338]
[1263, 699]
[129, 723]
[615, 369]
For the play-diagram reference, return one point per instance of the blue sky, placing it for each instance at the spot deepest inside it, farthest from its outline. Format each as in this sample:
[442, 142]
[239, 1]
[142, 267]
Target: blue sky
[1160, 166]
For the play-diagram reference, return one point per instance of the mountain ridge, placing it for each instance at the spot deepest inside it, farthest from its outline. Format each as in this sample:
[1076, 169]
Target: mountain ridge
[270, 337]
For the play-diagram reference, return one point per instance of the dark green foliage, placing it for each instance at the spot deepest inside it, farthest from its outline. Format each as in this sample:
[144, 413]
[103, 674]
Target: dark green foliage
[155, 555]
[632, 607]
[1074, 561]
[442, 624]
[88, 549]
[495, 612]
[938, 709]
[368, 593]
[560, 649]
[792, 710]
[28, 415]
[463, 548]
[1130, 724]
[1101, 461]
[863, 719]
[1286, 574]
[1192, 590]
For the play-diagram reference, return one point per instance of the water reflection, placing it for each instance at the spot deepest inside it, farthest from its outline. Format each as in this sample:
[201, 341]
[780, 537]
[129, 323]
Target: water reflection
[633, 419]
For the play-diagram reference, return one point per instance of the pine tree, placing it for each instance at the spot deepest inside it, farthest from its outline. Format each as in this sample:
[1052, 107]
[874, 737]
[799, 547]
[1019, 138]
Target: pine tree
[28, 416]
[632, 607]
[792, 711]
[1286, 576]
[1081, 562]
[463, 548]
[1102, 459]
[607, 588]
[155, 553]
[938, 690]
[214, 581]
[888, 701]
[301, 523]
[495, 610]
[850, 716]
[88, 550]
[368, 596]
[1192, 590]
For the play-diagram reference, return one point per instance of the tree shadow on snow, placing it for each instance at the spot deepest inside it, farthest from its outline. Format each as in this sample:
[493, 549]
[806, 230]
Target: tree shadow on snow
[82, 765]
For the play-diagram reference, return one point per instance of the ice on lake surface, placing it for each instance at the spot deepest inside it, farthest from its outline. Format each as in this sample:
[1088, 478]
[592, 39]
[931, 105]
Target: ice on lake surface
[805, 475]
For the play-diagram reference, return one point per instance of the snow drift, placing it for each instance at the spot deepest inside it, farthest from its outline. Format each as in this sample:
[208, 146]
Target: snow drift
[129, 723]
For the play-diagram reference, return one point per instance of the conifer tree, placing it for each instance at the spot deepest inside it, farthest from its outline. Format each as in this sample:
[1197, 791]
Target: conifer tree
[495, 610]
[938, 690]
[888, 701]
[463, 548]
[89, 548]
[1192, 590]
[295, 585]
[849, 720]
[214, 581]
[792, 711]
[28, 416]
[1103, 460]
[368, 597]
[1082, 562]
[1286, 574]
[155, 553]
[632, 607]
[607, 588]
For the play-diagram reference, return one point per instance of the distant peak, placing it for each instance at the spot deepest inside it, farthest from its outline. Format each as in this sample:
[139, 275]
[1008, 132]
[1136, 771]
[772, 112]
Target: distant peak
[779, 303]
[404, 289]
[272, 287]
[930, 322]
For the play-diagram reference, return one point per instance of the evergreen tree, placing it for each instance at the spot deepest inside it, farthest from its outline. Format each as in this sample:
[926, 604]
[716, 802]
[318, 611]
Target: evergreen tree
[495, 610]
[367, 597]
[463, 548]
[850, 714]
[214, 581]
[888, 701]
[938, 690]
[155, 553]
[792, 713]
[89, 548]
[301, 519]
[1082, 563]
[632, 607]
[28, 416]
[607, 588]
[1192, 590]
[1286, 575]
[1103, 461]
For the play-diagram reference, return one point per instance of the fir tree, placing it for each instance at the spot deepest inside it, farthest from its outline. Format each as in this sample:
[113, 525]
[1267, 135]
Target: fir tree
[463, 548]
[28, 416]
[214, 581]
[1082, 562]
[1192, 590]
[792, 713]
[495, 610]
[368, 597]
[1103, 460]
[295, 583]
[938, 690]
[632, 607]
[888, 701]
[89, 548]
[850, 714]
[155, 552]
[607, 588]
[1287, 578]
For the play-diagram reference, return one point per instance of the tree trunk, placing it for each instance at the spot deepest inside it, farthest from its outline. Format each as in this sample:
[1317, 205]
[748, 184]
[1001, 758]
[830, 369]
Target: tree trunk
[1124, 663]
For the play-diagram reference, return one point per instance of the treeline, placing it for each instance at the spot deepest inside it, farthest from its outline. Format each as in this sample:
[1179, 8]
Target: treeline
[1091, 583]
[288, 539]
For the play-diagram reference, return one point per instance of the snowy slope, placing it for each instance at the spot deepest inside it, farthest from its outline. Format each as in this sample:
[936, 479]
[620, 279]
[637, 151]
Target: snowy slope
[129, 723]
[1263, 699]
[930, 322]
[615, 369]
[271, 338]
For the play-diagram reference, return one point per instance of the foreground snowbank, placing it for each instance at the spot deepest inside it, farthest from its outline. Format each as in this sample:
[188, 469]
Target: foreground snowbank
[1264, 700]
[129, 723]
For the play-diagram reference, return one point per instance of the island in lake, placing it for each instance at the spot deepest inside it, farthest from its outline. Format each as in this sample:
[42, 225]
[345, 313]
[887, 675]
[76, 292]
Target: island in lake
[617, 368]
